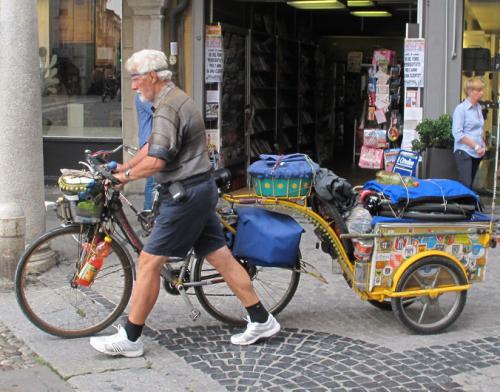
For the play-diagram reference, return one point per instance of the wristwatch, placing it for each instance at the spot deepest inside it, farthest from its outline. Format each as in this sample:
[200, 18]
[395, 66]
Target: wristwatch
[127, 173]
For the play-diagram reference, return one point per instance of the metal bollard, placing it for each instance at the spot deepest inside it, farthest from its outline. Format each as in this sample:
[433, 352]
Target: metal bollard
[12, 237]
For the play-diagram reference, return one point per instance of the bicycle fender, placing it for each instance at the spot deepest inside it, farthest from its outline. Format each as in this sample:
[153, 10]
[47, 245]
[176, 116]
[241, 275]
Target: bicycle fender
[419, 256]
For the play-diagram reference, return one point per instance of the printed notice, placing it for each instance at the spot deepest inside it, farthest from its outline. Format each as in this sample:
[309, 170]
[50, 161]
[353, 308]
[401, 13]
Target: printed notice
[213, 96]
[214, 54]
[414, 62]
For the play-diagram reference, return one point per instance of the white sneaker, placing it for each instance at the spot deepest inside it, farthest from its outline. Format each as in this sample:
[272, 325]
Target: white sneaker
[257, 331]
[118, 344]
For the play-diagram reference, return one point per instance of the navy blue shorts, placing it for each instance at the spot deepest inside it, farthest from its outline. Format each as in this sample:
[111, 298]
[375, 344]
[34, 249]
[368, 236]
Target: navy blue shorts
[191, 223]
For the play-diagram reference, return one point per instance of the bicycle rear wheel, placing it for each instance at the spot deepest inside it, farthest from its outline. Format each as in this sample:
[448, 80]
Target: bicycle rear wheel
[50, 299]
[275, 287]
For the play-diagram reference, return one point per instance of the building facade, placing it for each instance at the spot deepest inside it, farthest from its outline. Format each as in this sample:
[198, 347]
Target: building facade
[86, 96]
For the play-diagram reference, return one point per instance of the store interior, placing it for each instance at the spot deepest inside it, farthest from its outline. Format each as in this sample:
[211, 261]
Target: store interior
[297, 80]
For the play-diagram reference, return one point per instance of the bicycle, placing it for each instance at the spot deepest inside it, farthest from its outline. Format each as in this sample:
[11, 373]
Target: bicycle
[45, 281]
[426, 289]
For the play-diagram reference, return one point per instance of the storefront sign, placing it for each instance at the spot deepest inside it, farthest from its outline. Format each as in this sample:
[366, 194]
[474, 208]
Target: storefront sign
[414, 62]
[214, 54]
[406, 163]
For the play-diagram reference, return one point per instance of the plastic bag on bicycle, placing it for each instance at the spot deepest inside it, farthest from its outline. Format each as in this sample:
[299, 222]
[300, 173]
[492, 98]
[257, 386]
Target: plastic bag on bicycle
[267, 238]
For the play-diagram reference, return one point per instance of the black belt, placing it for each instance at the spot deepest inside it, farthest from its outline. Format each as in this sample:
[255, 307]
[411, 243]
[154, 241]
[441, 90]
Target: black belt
[190, 181]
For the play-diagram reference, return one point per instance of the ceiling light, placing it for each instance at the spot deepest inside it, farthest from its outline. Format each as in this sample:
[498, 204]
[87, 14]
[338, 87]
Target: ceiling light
[360, 3]
[371, 14]
[316, 4]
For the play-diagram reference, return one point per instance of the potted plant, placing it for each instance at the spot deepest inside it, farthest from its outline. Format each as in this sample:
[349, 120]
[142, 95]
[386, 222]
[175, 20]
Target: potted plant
[435, 143]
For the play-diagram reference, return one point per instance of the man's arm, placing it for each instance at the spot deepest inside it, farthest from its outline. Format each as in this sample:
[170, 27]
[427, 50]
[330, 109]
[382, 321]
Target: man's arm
[143, 153]
[145, 168]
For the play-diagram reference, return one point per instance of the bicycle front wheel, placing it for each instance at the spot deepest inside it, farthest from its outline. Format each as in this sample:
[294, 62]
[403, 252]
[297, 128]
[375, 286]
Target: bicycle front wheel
[275, 287]
[52, 301]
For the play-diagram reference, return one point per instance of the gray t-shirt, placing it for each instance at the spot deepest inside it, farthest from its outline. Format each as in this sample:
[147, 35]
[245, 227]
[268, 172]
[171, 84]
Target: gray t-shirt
[178, 136]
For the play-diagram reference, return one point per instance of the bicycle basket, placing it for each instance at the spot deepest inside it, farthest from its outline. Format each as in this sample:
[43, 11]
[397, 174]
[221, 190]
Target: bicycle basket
[287, 176]
[83, 195]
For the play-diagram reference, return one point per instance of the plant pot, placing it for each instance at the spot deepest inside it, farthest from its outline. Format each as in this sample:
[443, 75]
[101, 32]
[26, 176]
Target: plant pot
[439, 163]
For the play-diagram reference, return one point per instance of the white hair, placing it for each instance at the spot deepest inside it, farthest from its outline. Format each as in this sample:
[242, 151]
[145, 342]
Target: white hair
[148, 60]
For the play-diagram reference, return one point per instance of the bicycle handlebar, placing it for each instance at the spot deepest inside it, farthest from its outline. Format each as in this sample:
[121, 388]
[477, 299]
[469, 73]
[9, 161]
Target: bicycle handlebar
[97, 162]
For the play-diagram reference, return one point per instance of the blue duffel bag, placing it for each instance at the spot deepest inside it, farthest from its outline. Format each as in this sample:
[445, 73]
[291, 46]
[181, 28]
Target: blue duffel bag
[267, 238]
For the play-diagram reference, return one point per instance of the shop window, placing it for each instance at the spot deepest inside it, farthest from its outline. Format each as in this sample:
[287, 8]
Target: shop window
[481, 58]
[80, 67]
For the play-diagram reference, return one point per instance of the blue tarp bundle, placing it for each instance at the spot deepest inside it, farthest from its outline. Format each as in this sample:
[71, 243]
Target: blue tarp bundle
[283, 166]
[432, 190]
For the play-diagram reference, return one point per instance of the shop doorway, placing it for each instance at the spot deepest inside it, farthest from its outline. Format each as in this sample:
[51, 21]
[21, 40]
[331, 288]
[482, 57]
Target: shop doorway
[297, 80]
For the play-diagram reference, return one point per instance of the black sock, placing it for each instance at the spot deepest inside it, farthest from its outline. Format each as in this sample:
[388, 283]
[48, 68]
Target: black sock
[257, 313]
[134, 331]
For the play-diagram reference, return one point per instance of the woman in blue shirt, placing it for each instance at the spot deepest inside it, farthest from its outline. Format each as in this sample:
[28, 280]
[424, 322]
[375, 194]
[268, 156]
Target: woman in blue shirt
[468, 122]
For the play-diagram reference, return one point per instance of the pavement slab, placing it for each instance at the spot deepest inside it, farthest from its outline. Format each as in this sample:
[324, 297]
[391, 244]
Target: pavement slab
[38, 378]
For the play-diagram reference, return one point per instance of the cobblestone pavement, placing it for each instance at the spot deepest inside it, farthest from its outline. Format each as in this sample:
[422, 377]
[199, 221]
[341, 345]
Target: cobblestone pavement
[14, 354]
[306, 360]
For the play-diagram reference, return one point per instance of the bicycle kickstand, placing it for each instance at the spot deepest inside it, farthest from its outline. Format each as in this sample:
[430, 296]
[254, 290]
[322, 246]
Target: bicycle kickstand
[193, 313]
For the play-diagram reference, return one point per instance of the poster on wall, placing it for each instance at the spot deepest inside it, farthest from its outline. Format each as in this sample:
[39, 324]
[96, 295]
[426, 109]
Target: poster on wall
[354, 60]
[412, 99]
[213, 144]
[212, 104]
[414, 62]
[214, 54]
[409, 135]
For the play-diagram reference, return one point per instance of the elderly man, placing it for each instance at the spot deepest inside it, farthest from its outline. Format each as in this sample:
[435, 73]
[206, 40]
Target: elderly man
[178, 157]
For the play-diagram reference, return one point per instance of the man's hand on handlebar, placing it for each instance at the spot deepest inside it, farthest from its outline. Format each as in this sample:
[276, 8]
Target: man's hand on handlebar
[121, 178]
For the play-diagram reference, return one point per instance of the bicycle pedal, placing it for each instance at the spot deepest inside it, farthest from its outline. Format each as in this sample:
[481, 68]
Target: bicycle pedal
[194, 314]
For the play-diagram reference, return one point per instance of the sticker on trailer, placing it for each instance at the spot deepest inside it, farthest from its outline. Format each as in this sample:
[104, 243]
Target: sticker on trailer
[386, 246]
[383, 257]
[440, 247]
[430, 242]
[400, 243]
[478, 251]
[409, 251]
[449, 239]
[456, 250]
[396, 260]
[462, 239]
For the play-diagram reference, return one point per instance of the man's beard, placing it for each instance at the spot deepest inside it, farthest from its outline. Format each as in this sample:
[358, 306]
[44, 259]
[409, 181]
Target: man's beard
[143, 99]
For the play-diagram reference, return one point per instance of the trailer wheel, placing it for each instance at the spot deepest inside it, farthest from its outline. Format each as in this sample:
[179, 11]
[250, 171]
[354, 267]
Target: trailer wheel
[427, 315]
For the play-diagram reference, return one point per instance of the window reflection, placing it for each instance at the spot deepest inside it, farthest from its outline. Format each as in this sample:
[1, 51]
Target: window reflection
[80, 60]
